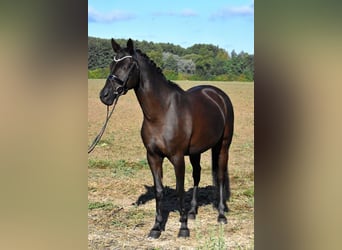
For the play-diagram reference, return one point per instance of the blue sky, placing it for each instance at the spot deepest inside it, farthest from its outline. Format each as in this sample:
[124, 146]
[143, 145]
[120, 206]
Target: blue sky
[226, 23]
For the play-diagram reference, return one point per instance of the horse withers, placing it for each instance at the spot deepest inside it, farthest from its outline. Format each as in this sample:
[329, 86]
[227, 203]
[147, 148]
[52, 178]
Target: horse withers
[176, 123]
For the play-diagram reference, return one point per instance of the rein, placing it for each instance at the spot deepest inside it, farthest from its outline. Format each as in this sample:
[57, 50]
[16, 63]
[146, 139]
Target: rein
[98, 137]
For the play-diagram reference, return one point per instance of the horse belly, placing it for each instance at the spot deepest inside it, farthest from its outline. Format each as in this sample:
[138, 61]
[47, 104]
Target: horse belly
[208, 118]
[207, 131]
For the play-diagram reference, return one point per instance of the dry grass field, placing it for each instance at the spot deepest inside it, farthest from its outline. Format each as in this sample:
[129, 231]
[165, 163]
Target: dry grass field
[121, 205]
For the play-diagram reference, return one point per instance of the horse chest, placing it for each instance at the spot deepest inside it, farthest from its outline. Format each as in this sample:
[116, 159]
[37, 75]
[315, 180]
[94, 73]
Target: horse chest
[167, 138]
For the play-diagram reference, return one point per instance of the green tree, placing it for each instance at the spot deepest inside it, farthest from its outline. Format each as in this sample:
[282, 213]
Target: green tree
[198, 62]
[170, 64]
[156, 56]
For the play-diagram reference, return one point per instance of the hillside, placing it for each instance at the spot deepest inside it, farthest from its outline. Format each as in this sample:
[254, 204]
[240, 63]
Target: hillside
[198, 62]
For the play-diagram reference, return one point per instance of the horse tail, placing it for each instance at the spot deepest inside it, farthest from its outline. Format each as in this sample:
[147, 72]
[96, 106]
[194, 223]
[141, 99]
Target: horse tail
[227, 136]
[230, 120]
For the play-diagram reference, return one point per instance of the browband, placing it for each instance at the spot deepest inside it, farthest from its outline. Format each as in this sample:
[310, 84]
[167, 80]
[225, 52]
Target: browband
[123, 58]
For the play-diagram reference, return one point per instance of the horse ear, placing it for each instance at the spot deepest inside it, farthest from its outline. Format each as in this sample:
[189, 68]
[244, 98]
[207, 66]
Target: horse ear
[116, 47]
[130, 46]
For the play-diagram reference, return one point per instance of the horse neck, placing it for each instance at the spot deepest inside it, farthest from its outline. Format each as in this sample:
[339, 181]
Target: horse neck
[153, 92]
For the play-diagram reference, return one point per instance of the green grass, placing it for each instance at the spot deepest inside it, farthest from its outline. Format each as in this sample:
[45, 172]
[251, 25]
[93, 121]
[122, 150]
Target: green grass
[96, 163]
[131, 218]
[118, 168]
[215, 240]
[102, 205]
[107, 141]
[123, 168]
[249, 192]
[118, 172]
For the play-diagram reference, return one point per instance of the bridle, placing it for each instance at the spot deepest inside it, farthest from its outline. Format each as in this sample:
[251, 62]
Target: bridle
[119, 91]
[122, 88]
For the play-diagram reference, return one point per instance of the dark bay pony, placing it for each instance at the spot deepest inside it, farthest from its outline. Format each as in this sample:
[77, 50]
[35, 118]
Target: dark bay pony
[176, 123]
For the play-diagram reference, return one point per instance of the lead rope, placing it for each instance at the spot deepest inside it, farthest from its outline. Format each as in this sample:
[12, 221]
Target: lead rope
[98, 137]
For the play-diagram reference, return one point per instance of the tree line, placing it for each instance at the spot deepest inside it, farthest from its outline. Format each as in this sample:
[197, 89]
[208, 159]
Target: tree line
[198, 62]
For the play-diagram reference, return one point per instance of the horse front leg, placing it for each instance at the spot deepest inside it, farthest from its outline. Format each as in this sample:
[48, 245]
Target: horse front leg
[155, 162]
[179, 165]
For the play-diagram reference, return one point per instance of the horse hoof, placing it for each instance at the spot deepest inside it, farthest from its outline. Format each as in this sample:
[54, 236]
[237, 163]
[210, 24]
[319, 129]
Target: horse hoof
[191, 216]
[222, 219]
[154, 234]
[184, 233]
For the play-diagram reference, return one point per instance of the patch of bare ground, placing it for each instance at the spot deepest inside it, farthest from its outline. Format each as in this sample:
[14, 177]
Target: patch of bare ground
[121, 205]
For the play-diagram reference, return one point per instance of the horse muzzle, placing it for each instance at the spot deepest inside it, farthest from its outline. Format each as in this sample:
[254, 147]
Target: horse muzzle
[107, 97]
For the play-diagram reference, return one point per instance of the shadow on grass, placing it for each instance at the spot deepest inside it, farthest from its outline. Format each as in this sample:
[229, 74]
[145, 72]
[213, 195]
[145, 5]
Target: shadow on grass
[205, 196]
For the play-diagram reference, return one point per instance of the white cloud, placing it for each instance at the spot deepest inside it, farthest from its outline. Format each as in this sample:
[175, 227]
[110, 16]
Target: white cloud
[233, 11]
[181, 13]
[241, 10]
[188, 13]
[113, 16]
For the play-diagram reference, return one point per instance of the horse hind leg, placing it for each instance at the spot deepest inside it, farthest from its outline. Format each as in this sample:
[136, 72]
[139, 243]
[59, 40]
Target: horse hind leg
[196, 175]
[220, 156]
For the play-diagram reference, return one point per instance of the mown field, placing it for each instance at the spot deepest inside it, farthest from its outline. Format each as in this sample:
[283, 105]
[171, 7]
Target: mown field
[121, 205]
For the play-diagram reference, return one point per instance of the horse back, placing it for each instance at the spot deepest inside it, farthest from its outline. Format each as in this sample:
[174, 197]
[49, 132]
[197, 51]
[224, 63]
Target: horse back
[207, 98]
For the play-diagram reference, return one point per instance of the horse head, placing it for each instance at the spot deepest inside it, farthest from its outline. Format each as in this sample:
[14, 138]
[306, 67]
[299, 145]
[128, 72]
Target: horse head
[124, 73]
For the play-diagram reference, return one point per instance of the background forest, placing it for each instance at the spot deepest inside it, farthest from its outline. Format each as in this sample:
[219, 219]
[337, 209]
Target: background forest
[198, 62]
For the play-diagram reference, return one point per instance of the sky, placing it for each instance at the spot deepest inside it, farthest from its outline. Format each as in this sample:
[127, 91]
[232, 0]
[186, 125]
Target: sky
[228, 24]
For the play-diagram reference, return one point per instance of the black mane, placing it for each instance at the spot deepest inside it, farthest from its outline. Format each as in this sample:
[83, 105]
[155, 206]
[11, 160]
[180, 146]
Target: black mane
[159, 70]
